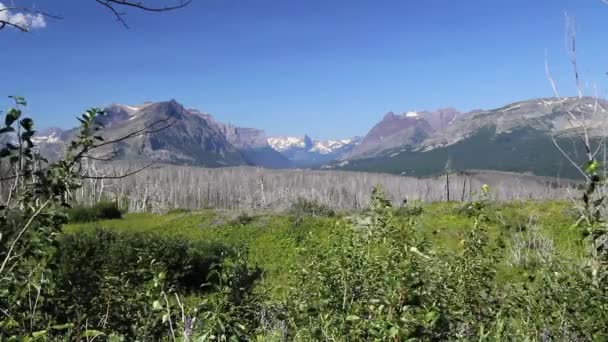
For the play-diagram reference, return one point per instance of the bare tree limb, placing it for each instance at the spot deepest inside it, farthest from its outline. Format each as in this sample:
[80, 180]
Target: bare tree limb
[568, 157]
[141, 5]
[21, 232]
[549, 75]
[571, 39]
[125, 175]
[24, 27]
[112, 5]
[85, 153]
[149, 129]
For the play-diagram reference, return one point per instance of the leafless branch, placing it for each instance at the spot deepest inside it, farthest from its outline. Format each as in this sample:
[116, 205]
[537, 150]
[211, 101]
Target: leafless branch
[571, 40]
[125, 175]
[111, 5]
[110, 158]
[549, 76]
[567, 156]
[141, 5]
[149, 129]
[85, 153]
[24, 27]
[4, 24]
[21, 232]
[117, 14]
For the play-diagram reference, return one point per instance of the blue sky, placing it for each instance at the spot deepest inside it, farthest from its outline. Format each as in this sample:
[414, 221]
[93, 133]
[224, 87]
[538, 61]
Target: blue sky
[329, 68]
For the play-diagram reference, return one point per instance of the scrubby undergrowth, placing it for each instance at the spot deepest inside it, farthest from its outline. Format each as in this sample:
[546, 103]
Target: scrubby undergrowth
[441, 271]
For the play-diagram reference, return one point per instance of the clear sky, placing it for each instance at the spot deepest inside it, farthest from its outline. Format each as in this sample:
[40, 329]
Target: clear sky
[329, 68]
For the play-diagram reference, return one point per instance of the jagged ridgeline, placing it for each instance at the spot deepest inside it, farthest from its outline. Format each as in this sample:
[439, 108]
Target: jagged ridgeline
[516, 138]
[191, 138]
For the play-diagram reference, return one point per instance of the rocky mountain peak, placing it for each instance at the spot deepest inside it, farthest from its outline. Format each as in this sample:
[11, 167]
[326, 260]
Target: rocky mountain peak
[389, 116]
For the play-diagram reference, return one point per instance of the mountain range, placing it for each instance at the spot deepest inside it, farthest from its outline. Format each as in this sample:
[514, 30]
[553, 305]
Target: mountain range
[187, 136]
[518, 137]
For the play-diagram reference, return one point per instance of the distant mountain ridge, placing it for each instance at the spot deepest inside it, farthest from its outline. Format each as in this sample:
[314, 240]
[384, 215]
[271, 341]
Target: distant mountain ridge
[306, 152]
[407, 129]
[191, 138]
[517, 137]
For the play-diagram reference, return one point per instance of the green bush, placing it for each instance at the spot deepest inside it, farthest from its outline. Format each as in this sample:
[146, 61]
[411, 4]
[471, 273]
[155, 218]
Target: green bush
[303, 208]
[100, 211]
[408, 209]
[114, 273]
[176, 211]
[242, 219]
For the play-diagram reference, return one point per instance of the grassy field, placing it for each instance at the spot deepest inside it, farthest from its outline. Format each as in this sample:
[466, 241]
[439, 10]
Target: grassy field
[277, 243]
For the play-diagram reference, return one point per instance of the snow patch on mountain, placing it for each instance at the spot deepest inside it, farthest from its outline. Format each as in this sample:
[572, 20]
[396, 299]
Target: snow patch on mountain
[282, 144]
[285, 143]
[329, 146]
[47, 139]
[133, 109]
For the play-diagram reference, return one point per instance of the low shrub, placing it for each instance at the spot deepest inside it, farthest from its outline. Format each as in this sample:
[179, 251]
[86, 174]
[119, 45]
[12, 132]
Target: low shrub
[176, 211]
[531, 249]
[115, 272]
[242, 219]
[306, 207]
[408, 209]
[99, 211]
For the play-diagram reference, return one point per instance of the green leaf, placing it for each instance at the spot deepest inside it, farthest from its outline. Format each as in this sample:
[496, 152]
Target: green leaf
[156, 305]
[485, 188]
[430, 316]
[592, 166]
[351, 318]
[12, 116]
[27, 124]
[37, 334]
[165, 318]
[62, 326]
[115, 338]
[92, 333]
[19, 100]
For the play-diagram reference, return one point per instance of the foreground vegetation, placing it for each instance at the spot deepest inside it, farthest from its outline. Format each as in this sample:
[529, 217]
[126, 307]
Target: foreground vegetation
[423, 271]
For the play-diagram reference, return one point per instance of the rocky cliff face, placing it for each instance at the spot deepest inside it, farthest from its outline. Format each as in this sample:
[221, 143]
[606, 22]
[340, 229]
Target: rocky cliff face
[185, 139]
[192, 137]
[408, 129]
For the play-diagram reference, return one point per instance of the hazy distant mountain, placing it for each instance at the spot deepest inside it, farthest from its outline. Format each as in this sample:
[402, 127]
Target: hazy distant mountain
[306, 152]
[194, 138]
[516, 137]
[407, 129]
[251, 142]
